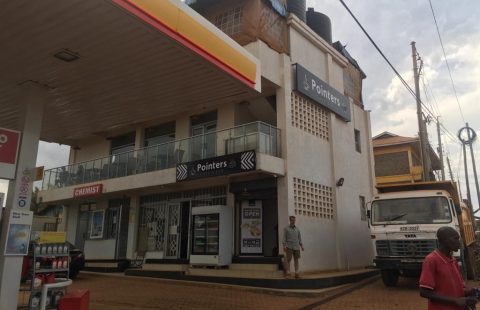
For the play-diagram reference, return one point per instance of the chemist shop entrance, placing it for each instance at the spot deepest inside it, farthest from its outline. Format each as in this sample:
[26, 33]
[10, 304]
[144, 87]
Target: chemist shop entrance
[256, 218]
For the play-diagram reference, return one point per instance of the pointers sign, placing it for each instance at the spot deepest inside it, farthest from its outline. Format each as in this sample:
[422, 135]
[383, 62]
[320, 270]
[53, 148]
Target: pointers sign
[222, 165]
[9, 144]
[314, 88]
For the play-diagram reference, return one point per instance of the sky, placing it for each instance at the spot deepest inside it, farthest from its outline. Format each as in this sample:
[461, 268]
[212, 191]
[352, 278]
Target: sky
[393, 25]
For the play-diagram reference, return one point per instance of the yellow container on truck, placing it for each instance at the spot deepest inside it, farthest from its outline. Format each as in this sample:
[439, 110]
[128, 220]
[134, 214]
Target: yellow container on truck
[404, 219]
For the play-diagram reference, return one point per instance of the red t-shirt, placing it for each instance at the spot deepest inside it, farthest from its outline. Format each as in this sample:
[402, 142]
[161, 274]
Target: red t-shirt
[442, 275]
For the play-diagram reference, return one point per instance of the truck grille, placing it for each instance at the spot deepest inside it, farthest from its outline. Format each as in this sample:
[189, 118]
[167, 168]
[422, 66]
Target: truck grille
[411, 248]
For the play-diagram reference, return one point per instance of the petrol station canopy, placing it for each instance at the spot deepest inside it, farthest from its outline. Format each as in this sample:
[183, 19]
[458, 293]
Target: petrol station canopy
[106, 64]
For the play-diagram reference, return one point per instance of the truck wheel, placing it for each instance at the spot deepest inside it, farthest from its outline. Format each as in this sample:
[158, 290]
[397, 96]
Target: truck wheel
[390, 277]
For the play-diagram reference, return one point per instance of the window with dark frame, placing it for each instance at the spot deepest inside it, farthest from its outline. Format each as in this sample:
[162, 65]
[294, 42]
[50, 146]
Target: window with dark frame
[363, 208]
[358, 145]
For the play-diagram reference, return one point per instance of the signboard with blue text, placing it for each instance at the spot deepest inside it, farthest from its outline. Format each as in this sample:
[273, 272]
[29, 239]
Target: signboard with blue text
[320, 92]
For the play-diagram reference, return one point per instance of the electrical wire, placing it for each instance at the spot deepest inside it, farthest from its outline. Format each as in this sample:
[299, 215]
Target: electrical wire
[446, 61]
[426, 88]
[410, 90]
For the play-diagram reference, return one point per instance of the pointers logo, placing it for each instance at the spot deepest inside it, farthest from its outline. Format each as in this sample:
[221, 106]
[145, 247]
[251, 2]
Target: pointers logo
[306, 86]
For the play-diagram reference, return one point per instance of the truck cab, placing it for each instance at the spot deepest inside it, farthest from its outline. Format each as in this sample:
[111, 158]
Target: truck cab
[403, 222]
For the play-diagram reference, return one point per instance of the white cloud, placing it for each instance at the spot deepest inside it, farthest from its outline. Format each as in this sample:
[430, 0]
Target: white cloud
[393, 25]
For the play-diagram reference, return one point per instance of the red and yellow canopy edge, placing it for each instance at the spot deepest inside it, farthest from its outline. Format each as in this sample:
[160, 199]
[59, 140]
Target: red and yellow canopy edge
[180, 26]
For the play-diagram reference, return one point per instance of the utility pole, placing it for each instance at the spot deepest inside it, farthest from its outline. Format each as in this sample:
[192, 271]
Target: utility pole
[449, 168]
[452, 179]
[422, 130]
[466, 178]
[440, 149]
[471, 137]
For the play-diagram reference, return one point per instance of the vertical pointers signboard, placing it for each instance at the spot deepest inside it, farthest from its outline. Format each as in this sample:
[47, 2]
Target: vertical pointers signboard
[9, 144]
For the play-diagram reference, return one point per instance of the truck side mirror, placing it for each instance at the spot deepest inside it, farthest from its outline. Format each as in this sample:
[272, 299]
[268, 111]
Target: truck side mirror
[458, 209]
[368, 213]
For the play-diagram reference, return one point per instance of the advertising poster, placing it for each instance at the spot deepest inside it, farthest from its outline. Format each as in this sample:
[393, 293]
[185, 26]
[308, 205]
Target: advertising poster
[96, 229]
[49, 237]
[18, 235]
[251, 227]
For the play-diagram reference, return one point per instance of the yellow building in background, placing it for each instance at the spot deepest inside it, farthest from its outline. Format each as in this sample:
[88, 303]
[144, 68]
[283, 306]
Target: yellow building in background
[398, 159]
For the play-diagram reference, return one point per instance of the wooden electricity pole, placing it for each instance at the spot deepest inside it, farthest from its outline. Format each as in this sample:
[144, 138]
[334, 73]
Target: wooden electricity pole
[422, 130]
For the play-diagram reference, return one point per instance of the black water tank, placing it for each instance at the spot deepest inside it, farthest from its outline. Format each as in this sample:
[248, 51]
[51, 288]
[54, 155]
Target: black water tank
[320, 23]
[297, 7]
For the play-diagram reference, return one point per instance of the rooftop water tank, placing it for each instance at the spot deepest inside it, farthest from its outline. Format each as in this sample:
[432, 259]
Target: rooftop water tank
[320, 23]
[297, 7]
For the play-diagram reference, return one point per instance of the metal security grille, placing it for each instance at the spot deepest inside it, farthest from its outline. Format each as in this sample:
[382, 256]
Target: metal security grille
[153, 224]
[160, 217]
[174, 226]
[410, 248]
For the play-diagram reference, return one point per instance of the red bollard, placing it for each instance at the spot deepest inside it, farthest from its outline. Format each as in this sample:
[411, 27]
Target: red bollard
[75, 300]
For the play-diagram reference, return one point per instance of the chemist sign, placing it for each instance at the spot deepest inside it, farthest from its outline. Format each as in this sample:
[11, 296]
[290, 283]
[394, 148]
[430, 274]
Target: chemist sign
[9, 144]
[320, 92]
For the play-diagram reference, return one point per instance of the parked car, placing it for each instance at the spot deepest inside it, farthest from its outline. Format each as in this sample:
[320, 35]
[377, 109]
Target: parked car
[77, 260]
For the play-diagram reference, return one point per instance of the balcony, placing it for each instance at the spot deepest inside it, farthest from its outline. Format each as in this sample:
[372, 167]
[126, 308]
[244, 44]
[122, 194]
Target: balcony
[258, 136]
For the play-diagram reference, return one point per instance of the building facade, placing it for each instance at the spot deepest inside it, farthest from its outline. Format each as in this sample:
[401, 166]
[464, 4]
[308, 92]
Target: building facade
[214, 183]
[398, 159]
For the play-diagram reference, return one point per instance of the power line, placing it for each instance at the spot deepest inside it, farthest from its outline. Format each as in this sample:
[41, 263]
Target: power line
[426, 88]
[389, 63]
[446, 61]
[427, 110]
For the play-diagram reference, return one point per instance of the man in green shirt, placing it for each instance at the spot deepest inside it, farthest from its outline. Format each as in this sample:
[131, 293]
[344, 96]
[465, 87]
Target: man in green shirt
[292, 243]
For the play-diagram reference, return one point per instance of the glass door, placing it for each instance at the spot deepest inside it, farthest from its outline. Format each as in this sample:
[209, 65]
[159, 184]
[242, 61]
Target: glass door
[212, 233]
[210, 143]
[199, 234]
[205, 234]
[203, 141]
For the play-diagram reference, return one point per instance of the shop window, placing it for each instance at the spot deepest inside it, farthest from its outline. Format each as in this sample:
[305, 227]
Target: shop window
[363, 208]
[111, 223]
[122, 143]
[97, 218]
[358, 142]
[160, 134]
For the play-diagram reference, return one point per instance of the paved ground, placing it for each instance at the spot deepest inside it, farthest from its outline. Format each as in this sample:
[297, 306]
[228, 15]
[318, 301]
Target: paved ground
[108, 292]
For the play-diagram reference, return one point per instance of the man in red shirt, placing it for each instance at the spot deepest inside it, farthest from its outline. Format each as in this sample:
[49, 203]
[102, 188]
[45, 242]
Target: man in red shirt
[441, 281]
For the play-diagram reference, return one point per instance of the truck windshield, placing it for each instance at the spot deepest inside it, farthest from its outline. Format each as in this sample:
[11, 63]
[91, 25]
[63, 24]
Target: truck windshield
[421, 210]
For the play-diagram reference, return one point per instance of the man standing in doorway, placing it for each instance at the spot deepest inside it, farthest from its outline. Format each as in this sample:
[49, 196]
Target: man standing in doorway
[441, 281]
[292, 243]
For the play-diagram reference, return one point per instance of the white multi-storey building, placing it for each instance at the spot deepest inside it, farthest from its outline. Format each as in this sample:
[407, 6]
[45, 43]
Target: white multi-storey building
[213, 144]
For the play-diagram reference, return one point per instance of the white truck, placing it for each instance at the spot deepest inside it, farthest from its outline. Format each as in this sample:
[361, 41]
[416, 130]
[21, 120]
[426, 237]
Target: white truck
[404, 219]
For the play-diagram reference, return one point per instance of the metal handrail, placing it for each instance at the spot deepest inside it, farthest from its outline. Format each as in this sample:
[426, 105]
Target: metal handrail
[264, 138]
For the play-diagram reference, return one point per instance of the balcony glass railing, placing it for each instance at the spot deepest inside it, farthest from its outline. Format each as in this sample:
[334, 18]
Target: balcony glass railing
[257, 136]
